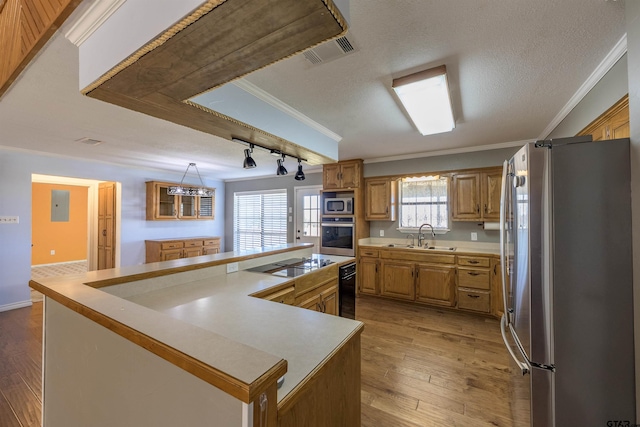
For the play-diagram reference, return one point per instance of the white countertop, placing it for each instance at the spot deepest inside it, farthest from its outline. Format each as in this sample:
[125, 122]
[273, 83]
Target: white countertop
[209, 315]
[462, 247]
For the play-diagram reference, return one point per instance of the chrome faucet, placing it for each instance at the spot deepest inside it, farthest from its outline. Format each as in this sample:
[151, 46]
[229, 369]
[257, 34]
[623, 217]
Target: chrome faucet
[413, 240]
[421, 235]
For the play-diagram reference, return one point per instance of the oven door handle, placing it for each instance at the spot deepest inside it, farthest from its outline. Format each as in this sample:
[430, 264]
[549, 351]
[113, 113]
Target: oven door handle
[324, 224]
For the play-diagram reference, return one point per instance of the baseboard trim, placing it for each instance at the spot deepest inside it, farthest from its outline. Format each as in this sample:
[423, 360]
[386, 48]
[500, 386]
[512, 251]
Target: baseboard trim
[15, 305]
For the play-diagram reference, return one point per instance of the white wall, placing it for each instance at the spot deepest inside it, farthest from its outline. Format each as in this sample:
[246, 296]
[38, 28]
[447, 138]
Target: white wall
[15, 200]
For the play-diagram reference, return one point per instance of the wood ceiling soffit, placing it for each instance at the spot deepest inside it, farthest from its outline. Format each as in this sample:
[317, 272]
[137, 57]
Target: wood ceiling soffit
[219, 42]
[25, 27]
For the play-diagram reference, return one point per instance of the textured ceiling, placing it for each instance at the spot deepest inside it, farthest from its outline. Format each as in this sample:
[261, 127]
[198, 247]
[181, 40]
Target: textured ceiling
[513, 65]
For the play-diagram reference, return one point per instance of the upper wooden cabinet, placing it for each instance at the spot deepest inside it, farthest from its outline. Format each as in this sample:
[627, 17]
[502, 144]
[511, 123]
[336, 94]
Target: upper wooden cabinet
[342, 175]
[163, 206]
[475, 195]
[612, 124]
[380, 199]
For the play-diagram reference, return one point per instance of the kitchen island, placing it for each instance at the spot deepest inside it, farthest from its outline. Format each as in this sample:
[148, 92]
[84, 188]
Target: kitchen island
[183, 342]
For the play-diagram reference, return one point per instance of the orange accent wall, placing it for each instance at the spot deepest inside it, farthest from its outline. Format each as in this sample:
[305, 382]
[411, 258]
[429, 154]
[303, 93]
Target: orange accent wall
[68, 239]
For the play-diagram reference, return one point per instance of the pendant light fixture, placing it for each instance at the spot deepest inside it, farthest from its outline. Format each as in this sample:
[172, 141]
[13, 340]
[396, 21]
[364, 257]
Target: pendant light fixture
[249, 163]
[299, 175]
[281, 169]
[181, 190]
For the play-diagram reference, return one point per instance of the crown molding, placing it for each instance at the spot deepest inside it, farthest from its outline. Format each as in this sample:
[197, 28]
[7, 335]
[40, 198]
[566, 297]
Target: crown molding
[603, 68]
[276, 103]
[450, 151]
[91, 20]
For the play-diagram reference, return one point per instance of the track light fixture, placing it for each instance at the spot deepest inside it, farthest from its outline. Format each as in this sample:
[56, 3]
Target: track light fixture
[249, 163]
[299, 175]
[281, 169]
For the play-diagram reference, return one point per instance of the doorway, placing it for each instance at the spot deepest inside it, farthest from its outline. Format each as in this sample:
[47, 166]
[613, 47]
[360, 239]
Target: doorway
[307, 215]
[110, 211]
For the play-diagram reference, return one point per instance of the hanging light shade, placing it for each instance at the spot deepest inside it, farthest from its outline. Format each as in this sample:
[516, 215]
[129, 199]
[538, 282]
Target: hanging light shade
[249, 163]
[281, 169]
[299, 175]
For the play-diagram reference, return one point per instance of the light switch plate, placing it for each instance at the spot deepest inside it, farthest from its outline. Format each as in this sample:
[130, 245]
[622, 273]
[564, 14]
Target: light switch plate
[9, 219]
[381, 233]
[232, 267]
[474, 236]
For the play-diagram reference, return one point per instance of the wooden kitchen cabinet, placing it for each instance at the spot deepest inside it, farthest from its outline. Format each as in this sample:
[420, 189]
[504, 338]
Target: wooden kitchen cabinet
[397, 279]
[318, 290]
[474, 283]
[380, 199]
[436, 284]
[170, 249]
[368, 273]
[162, 206]
[496, 288]
[329, 300]
[476, 195]
[342, 175]
[612, 124]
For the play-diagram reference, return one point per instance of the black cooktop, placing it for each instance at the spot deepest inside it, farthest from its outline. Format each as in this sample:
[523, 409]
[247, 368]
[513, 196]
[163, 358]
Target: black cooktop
[292, 267]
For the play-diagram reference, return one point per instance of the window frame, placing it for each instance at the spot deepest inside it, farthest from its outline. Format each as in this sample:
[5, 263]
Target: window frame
[283, 224]
[447, 203]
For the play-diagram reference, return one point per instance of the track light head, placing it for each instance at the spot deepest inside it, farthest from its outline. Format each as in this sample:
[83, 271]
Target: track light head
[299, 175]
[249, 163]
[281, 169]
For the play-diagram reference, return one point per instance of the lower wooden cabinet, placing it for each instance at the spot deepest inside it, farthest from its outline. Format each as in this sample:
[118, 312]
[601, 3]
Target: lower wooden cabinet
[397, 280]
[170, 249]
[466, 282]
[436, 285]
[318, 290]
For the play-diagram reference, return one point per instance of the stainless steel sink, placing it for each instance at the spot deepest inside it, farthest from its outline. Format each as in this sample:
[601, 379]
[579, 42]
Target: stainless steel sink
[440, 248]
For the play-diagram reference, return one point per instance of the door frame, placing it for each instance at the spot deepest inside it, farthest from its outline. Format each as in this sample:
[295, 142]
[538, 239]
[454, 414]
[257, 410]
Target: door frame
[295, 210]
[92, 213]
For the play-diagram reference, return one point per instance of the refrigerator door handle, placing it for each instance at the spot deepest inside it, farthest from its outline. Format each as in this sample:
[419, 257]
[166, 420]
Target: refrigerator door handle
[503, 231]
[523, 366]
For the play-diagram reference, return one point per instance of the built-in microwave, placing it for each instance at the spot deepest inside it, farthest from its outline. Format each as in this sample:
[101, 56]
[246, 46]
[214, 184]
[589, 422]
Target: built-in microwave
[341, 205]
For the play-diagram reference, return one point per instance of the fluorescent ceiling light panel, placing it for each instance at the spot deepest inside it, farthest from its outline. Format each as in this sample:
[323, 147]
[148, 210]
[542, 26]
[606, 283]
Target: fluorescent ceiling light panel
[425, 97]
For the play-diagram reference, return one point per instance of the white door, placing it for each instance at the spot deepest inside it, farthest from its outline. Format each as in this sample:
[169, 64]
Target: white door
[307, 215]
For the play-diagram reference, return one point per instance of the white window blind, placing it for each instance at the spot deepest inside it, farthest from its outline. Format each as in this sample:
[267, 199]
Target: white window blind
[424, 200]
[259, 219]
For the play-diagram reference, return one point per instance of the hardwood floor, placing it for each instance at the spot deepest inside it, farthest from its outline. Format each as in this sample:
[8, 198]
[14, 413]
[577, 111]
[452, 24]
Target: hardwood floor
[421, 366]
[424, 366]
[21, 366]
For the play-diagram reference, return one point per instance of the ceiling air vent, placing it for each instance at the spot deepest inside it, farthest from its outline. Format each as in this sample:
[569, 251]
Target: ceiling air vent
[89, 141]
[329, 51]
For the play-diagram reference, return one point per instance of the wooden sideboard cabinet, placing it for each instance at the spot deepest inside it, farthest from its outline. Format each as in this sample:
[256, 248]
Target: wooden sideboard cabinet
[168, 249]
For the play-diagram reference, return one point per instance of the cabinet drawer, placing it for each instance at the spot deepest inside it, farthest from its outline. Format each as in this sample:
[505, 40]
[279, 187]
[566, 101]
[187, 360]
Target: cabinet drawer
[479, 279]
[370, 252]
[213, 242]
[473, 261]
[471, 299]
[192, 243]
[312, 280]
[172, 245]
[418, 256]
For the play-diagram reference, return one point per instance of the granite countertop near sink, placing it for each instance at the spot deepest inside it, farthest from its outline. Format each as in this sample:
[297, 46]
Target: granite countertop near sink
[461, 247]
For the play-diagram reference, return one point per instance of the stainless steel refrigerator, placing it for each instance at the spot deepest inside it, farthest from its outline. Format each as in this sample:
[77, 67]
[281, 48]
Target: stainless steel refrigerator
[566, 246]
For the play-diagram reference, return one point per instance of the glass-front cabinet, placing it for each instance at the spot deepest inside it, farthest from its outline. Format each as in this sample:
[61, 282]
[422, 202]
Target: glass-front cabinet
[163, 206]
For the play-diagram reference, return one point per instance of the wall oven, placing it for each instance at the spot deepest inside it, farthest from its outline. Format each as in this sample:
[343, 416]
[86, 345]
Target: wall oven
[338, 236]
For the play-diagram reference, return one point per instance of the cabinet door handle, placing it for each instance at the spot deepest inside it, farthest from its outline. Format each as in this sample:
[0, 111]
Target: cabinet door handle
[485, 208]
[478, 208]
[473, 296]
[319, 307]
[471, 273]
[494, 268]
[473, 261]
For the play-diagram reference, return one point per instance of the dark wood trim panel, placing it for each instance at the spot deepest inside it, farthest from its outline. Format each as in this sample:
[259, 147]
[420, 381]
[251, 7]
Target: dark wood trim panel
[218, 43]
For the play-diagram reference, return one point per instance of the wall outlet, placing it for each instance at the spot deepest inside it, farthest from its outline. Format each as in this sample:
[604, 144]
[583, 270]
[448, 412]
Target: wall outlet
[474, 236]
[9, 219]
[381, 233]
[290, 218]
[232, 267]
[53, 251]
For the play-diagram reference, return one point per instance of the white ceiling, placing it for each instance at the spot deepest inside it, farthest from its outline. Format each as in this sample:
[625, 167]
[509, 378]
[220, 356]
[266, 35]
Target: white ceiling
[513, 65]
